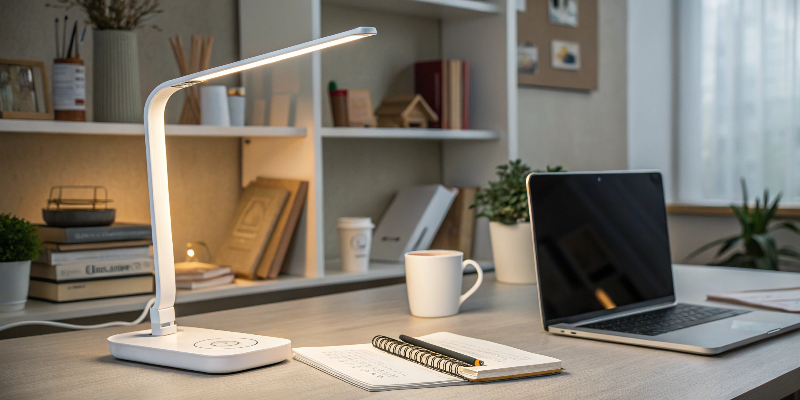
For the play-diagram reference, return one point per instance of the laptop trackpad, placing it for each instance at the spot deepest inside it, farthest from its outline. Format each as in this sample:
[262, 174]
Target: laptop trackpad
[753, 326]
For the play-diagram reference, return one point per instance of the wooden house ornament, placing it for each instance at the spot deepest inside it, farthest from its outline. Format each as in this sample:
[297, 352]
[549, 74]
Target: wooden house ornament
[411, 111]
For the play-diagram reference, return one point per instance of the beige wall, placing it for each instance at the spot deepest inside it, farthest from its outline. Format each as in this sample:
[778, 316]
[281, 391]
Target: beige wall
[204, 172]
[360, 177]
[582, 130]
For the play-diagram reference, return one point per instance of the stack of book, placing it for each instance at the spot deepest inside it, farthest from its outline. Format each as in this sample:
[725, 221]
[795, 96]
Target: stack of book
[92, 262]
[444, 84]
[197, 275]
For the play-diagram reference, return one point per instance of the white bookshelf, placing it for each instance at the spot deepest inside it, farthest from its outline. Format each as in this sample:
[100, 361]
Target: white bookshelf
[112, 128]
[38, 310]
[427, 8]
[409, 133]
[482, 33]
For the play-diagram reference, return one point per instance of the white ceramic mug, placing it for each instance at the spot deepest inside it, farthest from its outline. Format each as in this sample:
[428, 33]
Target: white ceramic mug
[433, 279]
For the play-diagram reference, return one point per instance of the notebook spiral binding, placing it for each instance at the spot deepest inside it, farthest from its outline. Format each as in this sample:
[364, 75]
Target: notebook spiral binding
[424, 357]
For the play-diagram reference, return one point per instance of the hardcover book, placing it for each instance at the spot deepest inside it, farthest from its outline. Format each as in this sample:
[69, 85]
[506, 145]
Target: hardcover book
[92, 270]
[51, 257]
[458, 227]
[198, 271]
[111, 233]
[250, 230]
[91, 289]
[96, 245]
[271, 262]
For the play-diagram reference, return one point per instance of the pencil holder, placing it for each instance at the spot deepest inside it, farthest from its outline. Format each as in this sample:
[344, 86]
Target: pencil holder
[69, 89]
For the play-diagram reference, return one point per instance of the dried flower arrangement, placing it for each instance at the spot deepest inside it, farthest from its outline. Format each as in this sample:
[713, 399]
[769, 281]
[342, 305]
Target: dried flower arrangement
[115, 14]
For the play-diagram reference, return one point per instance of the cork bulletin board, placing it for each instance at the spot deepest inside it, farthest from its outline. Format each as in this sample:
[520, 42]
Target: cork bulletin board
[557, 44]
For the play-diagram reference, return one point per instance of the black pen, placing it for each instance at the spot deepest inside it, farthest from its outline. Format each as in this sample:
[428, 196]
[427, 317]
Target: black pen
[441, 350]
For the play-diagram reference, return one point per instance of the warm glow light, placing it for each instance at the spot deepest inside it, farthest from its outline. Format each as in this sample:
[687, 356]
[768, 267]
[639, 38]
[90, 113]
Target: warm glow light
[270, 60]
[190, 253]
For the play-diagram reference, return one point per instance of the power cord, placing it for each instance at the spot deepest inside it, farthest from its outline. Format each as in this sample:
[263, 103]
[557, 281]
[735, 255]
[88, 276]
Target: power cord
[137, 321]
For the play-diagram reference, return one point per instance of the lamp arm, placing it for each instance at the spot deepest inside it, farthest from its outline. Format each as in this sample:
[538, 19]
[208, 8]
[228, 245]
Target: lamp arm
[162, 314]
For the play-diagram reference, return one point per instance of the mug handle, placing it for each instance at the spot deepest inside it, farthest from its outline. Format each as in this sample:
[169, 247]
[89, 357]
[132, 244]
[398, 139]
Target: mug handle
[477, 283]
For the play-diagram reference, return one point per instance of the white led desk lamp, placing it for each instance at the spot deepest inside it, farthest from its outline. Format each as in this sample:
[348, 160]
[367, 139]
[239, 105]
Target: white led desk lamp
[204, 350]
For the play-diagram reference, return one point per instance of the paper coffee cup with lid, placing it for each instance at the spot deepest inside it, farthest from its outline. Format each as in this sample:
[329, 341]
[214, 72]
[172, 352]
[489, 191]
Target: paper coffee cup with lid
[355, 240]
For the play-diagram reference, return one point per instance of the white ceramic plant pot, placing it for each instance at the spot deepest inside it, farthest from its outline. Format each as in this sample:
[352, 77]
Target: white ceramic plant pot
[14, 279]
[512, 246]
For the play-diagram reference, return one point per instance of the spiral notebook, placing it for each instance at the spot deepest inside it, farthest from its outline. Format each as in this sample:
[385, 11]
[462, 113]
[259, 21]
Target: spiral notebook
[388, 364]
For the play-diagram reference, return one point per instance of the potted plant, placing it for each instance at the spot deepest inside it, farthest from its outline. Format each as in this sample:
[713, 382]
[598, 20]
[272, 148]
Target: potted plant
[19, 245]
[505, 203]
[755, 246]
[117, 95]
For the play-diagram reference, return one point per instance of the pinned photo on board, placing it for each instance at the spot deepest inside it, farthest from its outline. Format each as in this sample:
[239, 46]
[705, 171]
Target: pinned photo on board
[566, 55]
[527, 59]
[563, 12]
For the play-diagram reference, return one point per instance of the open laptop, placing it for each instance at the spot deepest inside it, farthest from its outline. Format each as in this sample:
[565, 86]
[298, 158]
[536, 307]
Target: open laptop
[604, 268]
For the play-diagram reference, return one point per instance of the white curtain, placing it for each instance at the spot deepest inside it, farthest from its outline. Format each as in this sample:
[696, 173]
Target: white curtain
[739, 99]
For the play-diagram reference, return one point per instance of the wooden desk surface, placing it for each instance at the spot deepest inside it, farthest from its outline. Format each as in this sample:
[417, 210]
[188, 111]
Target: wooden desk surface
[78, 364]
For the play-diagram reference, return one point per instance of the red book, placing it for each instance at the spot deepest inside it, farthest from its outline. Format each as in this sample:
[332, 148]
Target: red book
[429, 81]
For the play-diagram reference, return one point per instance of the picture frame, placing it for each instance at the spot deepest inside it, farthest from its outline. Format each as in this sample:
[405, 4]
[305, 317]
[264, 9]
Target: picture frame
[24, 90]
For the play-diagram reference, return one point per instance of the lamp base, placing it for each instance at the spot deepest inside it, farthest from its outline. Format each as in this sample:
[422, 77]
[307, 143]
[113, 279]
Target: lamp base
[203, 350]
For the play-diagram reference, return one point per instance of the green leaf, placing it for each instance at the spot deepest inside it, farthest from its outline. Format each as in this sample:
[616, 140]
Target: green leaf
[785, 225]
[708, 246]
[766, 242]
[789, 251]
[728, 245]
[19, 240]
[744, 196]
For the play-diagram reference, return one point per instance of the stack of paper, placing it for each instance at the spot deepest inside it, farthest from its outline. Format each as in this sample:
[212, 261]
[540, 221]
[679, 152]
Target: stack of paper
[776, 299]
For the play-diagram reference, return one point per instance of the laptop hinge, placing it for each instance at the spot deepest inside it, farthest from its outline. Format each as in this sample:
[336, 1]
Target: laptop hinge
[626, 313]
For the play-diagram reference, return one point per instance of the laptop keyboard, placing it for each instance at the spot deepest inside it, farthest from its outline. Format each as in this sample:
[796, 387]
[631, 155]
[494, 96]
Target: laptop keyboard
[665, 320]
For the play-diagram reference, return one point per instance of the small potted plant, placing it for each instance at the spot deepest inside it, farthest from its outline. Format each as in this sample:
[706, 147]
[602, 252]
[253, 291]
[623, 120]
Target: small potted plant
[505, 203]
[19, 245]
[755, 246]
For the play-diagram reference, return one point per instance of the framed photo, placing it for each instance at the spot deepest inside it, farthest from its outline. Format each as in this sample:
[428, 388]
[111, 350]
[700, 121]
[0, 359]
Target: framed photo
[566, 55]
[527, 59]
[563, 12]
[23, 90]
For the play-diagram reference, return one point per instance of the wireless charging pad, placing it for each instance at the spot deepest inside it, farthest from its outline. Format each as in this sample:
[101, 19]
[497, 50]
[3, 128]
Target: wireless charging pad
[203, 350]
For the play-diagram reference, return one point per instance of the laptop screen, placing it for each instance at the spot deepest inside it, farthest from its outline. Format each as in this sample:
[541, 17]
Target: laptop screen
[601, 243]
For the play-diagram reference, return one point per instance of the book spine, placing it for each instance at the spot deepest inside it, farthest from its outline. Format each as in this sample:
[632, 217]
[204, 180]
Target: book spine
[435, 361]
[106, 234]
[465, 94]
[428, 83]
[72, 257]
[100, 270]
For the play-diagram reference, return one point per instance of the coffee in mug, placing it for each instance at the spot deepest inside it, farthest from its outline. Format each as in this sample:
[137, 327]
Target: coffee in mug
[433, 280]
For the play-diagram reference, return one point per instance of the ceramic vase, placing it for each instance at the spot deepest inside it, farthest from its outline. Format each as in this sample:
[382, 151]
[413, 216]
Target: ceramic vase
[512, 247]
[14, 279]
[117, 96]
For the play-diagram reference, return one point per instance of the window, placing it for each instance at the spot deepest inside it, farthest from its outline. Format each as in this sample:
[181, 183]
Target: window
[739, 99]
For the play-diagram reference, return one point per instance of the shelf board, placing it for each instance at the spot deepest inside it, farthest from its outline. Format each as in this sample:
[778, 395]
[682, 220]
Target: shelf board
[37, 310]
[409, 133]
[112, 128]
[426, 8]
[46, 311]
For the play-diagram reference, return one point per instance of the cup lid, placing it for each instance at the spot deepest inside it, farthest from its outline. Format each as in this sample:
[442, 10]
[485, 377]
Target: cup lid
[355, 223]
